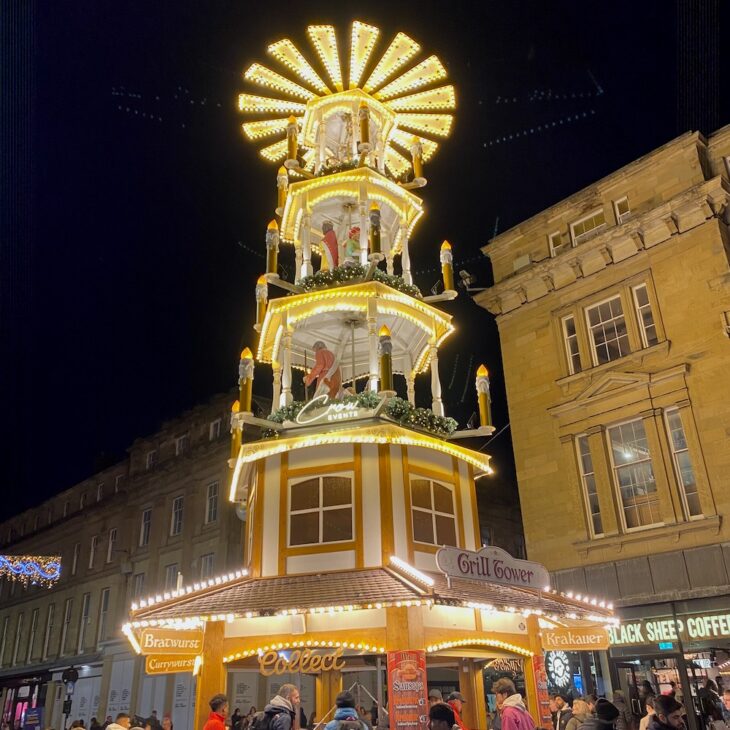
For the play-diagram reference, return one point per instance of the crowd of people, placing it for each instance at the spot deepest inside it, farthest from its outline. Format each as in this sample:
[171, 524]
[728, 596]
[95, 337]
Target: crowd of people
[125, 721]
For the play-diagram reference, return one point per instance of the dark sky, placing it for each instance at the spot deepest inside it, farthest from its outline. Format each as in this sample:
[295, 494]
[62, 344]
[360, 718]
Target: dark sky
[139, 210]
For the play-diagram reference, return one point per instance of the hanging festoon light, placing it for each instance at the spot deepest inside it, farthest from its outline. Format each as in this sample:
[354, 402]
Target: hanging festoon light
[272, 248]
[41, 570]
[484, 396]
[447, 266]
[245, 380]
[262, 295]
[385, 348]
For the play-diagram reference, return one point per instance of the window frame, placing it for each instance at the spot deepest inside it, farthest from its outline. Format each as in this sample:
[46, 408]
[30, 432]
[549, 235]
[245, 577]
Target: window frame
[138, 590]
[31, 634]
[433, 511]
[100, 491]
[151, 458]
[640, 320]
[182, 444]
[75, 558]
[4, 639]
[575, 240]
[214, 429]
[320, 509]
[566, 343]
[675, 463]
[621, 217]
[93, 545]
[555, 250]
[617, 485]
[50, 616]
[591, 341]
[207, 558]
[84, 621]
[145, 526]
[103, 613]
[68, 607]
[118, 479]
[211, 501]
[176, 566]
[18, 637]
[584, 486]
[112, 541]
[177, 516]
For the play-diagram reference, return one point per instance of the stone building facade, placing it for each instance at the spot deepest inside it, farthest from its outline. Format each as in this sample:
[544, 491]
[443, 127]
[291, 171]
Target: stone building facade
[131, 530]
[613, 309]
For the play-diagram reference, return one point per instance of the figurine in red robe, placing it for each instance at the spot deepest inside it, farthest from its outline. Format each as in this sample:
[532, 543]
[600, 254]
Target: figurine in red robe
[330, 253]
[325, 370]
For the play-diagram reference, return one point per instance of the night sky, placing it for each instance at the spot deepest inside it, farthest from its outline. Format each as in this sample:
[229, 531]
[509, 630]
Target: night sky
[140, 217]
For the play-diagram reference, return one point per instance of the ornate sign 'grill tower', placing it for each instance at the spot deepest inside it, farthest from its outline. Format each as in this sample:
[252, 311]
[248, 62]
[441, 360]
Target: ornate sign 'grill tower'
[351, 491]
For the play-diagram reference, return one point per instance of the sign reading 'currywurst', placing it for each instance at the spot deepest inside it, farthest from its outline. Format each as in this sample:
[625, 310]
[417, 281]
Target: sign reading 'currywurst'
[168, 664]
[170, 641]
[491, 565]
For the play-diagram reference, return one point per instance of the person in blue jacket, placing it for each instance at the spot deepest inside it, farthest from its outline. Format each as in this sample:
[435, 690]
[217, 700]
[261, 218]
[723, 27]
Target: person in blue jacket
[345, 715]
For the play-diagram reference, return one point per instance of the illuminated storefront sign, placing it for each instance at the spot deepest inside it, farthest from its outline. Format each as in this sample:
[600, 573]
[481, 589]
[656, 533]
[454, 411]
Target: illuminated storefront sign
[491, 565]
[691, 627]
[304, 661]
[338, 411]
[171, 641]
[168, 663]
[575, 639]
[407, 689]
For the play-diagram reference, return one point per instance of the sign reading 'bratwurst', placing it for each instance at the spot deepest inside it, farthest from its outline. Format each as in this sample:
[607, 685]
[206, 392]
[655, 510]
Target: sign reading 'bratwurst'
[491, 565]
[171, 641]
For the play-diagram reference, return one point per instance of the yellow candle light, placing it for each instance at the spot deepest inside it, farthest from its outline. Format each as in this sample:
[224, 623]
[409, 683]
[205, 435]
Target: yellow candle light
[272, 248]
[245, 380]
[282, 185]
[385, 347]
[235, 430]
[447, 266]
[484, 396]
[262, 295]
[364, 117]
[417, 158]
[292, 145]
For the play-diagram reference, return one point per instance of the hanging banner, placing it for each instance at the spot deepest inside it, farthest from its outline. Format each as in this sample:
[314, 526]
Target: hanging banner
[575, 639]
[168, 663]
[545, 718]
[492, 565]
[408, 705]
[171, 641]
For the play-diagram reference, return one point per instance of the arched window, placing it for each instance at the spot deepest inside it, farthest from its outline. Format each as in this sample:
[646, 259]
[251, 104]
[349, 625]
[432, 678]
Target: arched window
[432, 512]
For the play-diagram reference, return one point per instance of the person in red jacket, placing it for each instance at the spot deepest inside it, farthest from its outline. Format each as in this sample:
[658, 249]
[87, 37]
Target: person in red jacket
[456, 701]
[218, 713]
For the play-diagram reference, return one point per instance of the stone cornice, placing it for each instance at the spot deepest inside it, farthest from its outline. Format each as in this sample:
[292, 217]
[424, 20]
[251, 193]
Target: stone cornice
[688, 210]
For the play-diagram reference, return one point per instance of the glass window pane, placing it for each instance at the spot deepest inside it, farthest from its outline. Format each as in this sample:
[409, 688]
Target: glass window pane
[422, 526]
[445, 530]
[336, 490]
[693, 504]
[569, 326]
[337, 525]
[421, 493]
[443, 499]
[304, 528]
[305, 495]
[642, 297]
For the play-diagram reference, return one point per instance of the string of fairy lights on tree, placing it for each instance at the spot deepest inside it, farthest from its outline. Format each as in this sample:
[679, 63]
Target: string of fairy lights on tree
[40, 570]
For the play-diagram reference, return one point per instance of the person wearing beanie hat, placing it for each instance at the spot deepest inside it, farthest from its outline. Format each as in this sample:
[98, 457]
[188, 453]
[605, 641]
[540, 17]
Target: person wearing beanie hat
[605, 717]
[346, 717]
[434, 696]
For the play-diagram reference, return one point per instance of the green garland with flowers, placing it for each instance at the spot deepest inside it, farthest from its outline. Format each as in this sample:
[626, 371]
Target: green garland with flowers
[398, 409]
[342, 275]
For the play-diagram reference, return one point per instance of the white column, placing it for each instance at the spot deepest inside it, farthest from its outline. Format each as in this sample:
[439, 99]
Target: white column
[321, 140]
[276, 394]
[355, 129]
[297, 262]
[305, 235]
[411, 387]
[286, 396]
[405, 257]
[381, 156]
[437, 405]
[389, 261]
[373, 346]
[363, 228]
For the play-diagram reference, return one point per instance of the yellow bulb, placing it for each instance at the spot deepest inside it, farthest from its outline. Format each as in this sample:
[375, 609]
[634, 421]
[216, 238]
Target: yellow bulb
[273, 225]
[292, 119]
[374, 206]
[236, 407]
[246, 354]
[262, 280]
[384, 331]
[482, 371]
[446, 246]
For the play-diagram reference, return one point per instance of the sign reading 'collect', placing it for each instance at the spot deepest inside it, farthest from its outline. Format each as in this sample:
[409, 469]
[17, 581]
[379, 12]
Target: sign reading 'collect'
[491, 565]
[170, 641]
[305, 661]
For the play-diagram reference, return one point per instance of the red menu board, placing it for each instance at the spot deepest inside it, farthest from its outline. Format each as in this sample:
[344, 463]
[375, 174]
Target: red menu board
[543, 698]
[407, 702]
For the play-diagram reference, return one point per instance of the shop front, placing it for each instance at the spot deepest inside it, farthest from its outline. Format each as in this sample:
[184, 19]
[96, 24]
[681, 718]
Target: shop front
[675, 646]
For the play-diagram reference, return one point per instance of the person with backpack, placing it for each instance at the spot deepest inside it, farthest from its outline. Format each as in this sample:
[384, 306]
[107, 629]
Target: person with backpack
[279, 714]
[514, 714]
[346, 717]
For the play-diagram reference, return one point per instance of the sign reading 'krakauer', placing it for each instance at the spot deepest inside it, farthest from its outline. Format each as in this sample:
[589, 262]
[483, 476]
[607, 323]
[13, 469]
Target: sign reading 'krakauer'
[491, 565]
[575, 639]
[170, 641]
